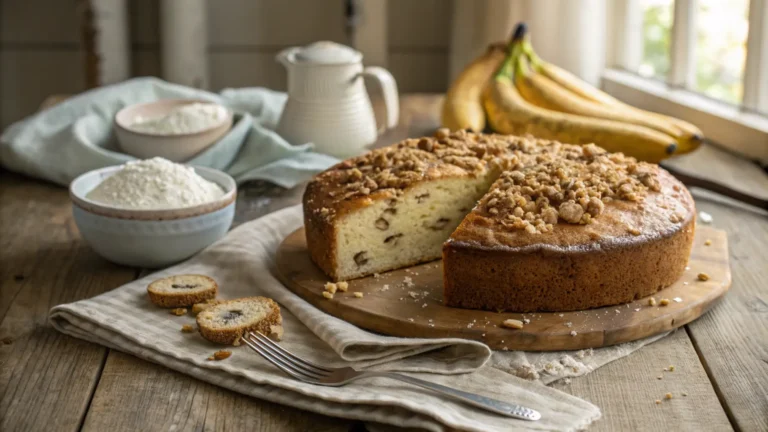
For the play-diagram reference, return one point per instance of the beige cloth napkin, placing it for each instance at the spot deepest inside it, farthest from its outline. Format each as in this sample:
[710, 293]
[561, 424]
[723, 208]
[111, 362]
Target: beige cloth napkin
[124, 319]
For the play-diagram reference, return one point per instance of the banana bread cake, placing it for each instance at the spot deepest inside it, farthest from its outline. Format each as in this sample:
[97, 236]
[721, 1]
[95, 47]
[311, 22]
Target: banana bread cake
[558, 226]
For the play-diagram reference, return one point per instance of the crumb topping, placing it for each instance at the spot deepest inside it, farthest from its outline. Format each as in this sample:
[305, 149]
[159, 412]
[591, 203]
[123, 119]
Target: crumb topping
[543, 182]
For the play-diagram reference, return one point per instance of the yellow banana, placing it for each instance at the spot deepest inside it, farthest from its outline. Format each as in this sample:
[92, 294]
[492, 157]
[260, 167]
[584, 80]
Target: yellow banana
[691, 135]
[542, 91]
[463, 108]
[508, 112]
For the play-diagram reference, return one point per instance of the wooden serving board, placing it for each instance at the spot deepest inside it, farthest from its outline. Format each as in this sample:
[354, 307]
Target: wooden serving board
[392, 308]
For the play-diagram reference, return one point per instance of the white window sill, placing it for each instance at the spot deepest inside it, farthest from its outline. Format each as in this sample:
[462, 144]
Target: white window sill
[728, 126]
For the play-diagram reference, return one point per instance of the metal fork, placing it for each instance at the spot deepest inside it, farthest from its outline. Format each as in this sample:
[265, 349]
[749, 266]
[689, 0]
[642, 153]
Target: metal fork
[337, 377]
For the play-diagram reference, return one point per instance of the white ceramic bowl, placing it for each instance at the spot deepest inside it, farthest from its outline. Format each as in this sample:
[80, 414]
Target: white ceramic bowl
[176, 147]
[151, 238]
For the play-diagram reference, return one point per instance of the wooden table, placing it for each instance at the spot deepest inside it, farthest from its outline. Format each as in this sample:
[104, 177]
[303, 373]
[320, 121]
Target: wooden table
[49, 381]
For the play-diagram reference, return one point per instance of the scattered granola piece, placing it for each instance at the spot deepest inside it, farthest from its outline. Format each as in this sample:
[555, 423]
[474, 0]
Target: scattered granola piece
[652, 301]
[671, 368]
[668, 396]
[327, 295]
[330, 287]
[707, 242]
[7, 340]
[660, 377]
[658, 401]
[358, 294]
[178, 311]
[573, 333]
[512, 323]
[684, 394]
[186, 328]
[343, 286]
[664, 302]
[703, 277]
[220, 355]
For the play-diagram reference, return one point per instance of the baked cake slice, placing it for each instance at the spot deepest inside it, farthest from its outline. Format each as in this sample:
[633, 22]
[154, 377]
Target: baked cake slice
[395, 206]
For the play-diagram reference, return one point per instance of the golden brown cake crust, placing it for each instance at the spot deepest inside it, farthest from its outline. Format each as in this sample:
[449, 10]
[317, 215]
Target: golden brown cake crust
[631, 251]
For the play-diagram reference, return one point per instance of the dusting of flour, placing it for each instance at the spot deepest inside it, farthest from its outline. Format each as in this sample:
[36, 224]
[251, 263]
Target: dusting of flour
[155, 184]
[189, 118]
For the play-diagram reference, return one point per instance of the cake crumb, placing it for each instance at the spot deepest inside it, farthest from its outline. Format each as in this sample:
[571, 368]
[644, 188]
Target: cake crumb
[703, 277]
[569, 324]
[343, 286]
[330, 287]
[658, 401]
[668, 396]
[567, 381]
[652, 301]
[178, 311]
[408, 281]
[705, 217]
[385, 287]
[237, 342]
[637, 310]
[707, 242]
[560, 315]
[358, 294]
[413, 294]
[512, 323]
[328, 295]
[684, 394]
[677, 300]
[186, 328]
[424, 305]
[664, 302]
[660, 377]
[671, 368]
[526, 320]
[410, 319]
[573, 333]
[376, 275]
[220, 355]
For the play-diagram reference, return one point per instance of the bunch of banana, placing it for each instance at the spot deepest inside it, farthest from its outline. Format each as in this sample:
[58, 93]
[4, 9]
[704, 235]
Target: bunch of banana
[463, 108]
[527, 95]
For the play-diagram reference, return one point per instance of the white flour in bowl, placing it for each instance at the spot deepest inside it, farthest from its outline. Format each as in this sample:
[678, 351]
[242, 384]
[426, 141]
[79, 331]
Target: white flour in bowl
[155, 183]
[184, 119]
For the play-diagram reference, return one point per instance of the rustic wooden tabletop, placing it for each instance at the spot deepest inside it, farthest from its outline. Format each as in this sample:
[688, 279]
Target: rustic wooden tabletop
[49, 381]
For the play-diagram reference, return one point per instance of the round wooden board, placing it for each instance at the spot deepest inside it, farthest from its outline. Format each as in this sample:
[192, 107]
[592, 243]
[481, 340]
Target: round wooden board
[390, 307]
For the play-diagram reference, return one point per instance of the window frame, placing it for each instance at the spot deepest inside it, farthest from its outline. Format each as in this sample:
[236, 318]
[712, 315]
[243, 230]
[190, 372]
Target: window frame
[743, 128]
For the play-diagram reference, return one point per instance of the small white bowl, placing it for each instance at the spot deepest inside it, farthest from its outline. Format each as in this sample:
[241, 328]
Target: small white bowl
[151, 238]
[175, 147]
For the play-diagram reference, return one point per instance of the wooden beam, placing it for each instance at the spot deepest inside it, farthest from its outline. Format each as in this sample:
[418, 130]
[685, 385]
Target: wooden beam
[682, 71]
[756, 68]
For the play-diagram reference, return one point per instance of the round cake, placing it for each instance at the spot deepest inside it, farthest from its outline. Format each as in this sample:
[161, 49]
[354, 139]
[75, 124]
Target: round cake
[521, 224]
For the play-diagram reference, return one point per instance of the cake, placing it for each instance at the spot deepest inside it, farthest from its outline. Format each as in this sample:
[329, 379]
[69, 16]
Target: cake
[182, 290]
[521, 224]
[226, 322]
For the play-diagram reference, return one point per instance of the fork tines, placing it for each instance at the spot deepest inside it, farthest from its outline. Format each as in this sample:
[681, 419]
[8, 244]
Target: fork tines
[284, 359]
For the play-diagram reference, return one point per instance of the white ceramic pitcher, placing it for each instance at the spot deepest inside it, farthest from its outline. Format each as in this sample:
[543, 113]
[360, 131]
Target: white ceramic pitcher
[327, 102]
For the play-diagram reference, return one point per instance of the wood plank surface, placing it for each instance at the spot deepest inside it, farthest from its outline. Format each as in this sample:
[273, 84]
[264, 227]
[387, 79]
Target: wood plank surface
[134, 395]
[732, 340]
[627, 389]
[46, 378]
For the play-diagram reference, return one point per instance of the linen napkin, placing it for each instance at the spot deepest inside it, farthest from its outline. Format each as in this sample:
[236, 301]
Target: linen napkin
[76, 136]
[242, 263]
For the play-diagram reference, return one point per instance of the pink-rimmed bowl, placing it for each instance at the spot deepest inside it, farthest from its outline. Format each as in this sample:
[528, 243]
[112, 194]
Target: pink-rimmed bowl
[151, 238]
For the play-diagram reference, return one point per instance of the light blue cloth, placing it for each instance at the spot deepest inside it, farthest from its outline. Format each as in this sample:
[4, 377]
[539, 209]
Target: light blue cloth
[76, 136]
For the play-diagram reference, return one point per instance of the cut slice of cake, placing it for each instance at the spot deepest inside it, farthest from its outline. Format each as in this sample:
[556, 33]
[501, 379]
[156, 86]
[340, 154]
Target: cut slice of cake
[182, 290]
[395, 206]
[227, 321]
[582, 230]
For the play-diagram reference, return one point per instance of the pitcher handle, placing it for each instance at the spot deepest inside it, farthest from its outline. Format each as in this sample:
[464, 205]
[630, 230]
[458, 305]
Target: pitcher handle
[283, 56]
[389, 91]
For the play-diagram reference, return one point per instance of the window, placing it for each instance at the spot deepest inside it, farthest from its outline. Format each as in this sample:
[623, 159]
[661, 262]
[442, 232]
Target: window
[705, 61]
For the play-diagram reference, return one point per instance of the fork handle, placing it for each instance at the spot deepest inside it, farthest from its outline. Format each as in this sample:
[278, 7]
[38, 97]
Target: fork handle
[489, 404]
